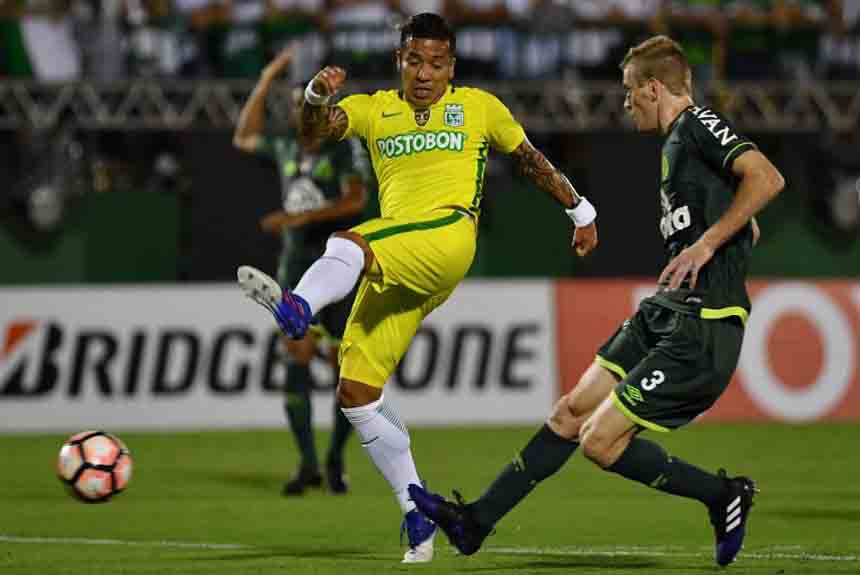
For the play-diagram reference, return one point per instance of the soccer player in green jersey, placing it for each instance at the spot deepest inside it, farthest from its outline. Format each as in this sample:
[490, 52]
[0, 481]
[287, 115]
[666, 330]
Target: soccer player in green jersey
[323, 190]
[428, 143]
[674, 358]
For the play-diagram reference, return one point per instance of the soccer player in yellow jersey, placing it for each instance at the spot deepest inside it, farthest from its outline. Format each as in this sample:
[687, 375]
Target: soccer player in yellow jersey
[428, 142]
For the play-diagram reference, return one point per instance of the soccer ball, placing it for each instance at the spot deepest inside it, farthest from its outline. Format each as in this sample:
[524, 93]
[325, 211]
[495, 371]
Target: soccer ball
[94, 465]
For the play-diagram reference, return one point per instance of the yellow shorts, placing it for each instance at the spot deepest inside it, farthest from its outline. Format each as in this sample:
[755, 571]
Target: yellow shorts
[417, 265]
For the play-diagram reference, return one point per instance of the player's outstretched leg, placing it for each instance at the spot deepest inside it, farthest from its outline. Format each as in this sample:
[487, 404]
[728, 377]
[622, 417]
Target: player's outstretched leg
[291, 311]
[728, 499]
[468, 525]
[729, 517]
[329, 279]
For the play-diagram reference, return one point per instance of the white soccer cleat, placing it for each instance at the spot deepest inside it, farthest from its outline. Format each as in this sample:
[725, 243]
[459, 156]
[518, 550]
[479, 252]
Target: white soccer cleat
[420, 532]
[291, 311]
[260, 287]
[422, 553]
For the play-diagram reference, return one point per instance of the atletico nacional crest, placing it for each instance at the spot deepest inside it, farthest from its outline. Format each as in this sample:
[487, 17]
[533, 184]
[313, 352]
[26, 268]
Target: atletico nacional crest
[422, 117]
[454, 115]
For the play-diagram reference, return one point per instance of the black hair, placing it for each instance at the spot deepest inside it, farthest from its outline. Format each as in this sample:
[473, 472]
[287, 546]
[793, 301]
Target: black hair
[428, 25]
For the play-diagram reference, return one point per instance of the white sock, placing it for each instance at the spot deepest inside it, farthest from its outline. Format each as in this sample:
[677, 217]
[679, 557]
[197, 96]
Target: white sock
[386, 440]
[333, 275]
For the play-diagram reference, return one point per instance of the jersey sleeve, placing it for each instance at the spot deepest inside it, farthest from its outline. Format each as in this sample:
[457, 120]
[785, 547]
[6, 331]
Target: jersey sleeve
[503, 131]
[717, 140]
[357, 108]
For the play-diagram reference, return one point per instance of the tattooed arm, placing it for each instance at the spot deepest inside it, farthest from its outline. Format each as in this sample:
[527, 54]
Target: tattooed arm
[327, 122]
[534, 165]
[324, 121]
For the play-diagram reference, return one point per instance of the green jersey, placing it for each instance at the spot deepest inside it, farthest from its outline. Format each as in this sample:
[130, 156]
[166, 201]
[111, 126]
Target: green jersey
[697, 186]
[312, 181]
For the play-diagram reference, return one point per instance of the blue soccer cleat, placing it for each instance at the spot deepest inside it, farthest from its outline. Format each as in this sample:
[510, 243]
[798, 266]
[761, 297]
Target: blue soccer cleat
[454, 519]
[291, 311]
[729, 518]
[420, 531]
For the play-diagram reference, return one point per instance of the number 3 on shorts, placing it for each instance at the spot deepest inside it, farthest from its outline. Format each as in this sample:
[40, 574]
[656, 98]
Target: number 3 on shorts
[658, 378]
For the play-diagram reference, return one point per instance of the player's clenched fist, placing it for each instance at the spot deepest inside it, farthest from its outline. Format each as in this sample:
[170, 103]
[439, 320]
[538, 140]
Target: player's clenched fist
[325, 84]
[585, 235]
[585, 239]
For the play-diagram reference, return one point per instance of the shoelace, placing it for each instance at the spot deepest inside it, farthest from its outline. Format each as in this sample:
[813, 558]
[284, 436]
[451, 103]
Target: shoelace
[297, 308]
[294, 304]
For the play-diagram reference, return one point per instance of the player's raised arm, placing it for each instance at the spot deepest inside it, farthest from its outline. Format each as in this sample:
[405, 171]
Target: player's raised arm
[251, 119]
[537, 168]
[319, 120]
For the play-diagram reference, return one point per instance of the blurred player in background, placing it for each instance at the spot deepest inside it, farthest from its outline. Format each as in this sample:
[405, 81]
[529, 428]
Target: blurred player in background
[428, 143]
[323, 188]
[674, 358]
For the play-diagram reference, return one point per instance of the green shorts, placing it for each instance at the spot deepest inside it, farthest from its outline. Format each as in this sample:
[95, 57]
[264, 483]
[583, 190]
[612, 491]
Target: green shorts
[672, 365]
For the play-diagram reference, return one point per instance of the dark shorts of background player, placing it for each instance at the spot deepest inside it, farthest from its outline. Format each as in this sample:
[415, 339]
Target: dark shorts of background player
[672, 365]
[333, 317]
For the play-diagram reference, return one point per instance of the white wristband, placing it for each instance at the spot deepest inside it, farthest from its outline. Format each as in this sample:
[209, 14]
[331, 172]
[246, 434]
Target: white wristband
[583, 214]
[313, 98]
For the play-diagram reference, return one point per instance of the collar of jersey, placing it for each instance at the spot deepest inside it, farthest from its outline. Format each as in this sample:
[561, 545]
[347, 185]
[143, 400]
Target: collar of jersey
[448, 92]
[676, 120]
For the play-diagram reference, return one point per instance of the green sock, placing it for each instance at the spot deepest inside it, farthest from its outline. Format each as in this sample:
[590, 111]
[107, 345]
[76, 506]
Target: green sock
[646, 462]
[544, 454]
[339, 435]
[298, 408]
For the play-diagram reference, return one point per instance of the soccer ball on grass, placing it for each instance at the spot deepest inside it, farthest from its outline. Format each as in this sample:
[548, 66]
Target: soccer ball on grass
[94, 466]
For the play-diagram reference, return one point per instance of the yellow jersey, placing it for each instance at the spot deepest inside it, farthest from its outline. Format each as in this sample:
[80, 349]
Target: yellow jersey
[424, 163]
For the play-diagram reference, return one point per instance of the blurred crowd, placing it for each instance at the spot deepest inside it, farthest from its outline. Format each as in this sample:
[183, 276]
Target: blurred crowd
[734, 40]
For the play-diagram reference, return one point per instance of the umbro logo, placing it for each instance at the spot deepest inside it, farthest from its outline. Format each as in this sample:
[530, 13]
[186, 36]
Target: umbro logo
[390, 114]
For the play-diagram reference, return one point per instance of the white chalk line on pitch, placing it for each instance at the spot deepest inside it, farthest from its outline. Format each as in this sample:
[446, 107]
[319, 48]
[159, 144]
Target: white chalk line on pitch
[792, 552]
[85, 541]
[774, 553]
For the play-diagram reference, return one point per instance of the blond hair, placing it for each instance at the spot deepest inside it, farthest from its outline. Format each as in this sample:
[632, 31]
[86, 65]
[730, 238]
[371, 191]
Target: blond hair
[661, 58]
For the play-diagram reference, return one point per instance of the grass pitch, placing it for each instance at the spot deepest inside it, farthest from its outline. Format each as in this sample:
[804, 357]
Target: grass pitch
[210, 503]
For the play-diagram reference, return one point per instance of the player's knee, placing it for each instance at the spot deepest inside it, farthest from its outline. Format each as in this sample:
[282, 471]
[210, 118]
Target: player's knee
[343, 396]
[354, 394]
[566, 419]
[596, 446]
